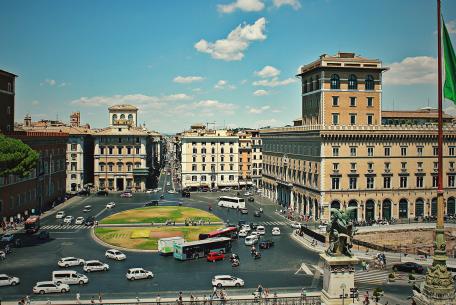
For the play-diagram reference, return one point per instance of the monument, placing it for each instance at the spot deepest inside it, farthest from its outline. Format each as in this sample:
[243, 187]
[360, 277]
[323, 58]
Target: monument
[339, 262]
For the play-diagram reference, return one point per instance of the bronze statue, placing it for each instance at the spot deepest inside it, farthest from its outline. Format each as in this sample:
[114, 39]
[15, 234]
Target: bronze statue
[341, 232]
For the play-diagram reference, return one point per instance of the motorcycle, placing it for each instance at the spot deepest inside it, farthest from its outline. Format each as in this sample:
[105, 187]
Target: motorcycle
[235, 263]
[257, 255]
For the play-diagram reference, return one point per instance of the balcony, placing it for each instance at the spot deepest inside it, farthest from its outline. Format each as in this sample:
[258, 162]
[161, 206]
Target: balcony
[141, 171]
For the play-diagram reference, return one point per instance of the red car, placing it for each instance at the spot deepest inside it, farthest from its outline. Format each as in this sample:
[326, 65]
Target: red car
[215, 256]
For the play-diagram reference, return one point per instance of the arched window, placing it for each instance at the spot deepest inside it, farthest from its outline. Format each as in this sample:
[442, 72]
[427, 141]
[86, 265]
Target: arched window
[335, 81]
[369, 82]
[130, 117]
[122, 116]
[114, 118]
[311, 84]
[352, 82]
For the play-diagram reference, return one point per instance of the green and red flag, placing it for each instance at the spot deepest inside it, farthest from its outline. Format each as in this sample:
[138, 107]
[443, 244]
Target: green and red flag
[449, 88]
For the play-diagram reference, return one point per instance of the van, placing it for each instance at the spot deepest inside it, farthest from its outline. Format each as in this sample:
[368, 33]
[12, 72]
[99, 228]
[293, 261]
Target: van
[69, 277]
[251, 240]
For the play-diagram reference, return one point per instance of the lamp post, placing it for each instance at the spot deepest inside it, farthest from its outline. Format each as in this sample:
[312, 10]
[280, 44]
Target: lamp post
[344, 295]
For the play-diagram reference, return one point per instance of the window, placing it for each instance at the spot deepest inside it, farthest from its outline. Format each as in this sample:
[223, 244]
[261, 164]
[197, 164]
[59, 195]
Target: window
[195, 150]
[419, 150]
[203, 167]
[74, 147]
[231, 150]
[222, 158]
[352, 119]
[193, 167]
[130, 117]
[353, 183]
[203, 178]
[129, 167]
[353, 166]
[420, 165]
[8, 110]
[403, 151]
[352, 151]
[222, 150]
[110, 166]
[435, 150]
[419, 181]
[370, 182]
[311, 84]
[436, 165]
[370, 166]
[370, 102]
[404, 165]
[232, 167]
[386, 182]
[110, 150]
[222, 177]
[193, 159]
[222, 167]
[10, 87]
[451, 150]
[231, 177]
[119, 167]
[138, 150]
[203, 159]
[335, 119]
[352, 101]
[335, 81]
[370, 151]
[213, 150]
[403, 182]
[119, 149]
[452, 165]
[335, 183]
[387, 151]
[102, 166]
[451, 180]
[194, 178]
[435, 181]
[352, 82]
[335, 151]
[370, 119]
[369, 83]
[335, 166]
[203, 151]
[128, 150]
[335, 100]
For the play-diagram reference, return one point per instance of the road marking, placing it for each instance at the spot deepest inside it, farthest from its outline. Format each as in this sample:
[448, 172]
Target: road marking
[305, 269]
[101, 212]
[318, 268]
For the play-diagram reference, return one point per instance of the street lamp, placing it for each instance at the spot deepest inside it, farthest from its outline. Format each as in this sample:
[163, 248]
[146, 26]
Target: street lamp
[344, 295]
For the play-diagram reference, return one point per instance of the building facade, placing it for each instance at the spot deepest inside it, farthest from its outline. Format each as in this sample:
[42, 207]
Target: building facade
[7, 94]
[209, 158]
[245, 159]
[339, 154]
[257, 159]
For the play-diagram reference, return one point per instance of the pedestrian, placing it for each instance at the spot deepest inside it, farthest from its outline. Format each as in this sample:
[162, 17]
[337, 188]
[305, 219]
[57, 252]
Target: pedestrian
[48, 302]
[366, 298]
[192, 298]
[27, 300]
[260, 290]
[78, 298]
[274, 302]
[100, 298]
[214, 291]
[367, 267]
[205, 299]
[92, 300]
[157, 299]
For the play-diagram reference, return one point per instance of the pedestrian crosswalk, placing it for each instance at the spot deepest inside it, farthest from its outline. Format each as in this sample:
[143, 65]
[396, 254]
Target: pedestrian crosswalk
[273, 223]
[374, 277]
[65, 227]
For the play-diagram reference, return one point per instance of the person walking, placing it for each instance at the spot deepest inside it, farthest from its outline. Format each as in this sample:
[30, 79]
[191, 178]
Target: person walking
[100, 297]
[260, 290]
[92, 301]
[214, 292]
[27, 300]
[78, 298]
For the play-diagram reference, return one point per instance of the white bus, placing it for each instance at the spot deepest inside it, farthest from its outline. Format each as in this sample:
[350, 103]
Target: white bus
[231, 202]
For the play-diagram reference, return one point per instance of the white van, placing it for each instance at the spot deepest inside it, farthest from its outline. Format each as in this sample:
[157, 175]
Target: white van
[69, 277]
[251, 240]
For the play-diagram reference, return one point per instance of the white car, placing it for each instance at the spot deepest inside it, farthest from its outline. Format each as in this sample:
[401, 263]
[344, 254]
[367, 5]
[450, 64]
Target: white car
[246, 228]
[149, 191]
[255, 233]
[172, 192]
[243, 233]
[68, 219]
[275, 231]
[115, 254]
[7, 237]
[70, 261]
[247, 194]
[95, 265]
[50, 287]
[79, 220]
[295, 225]
[251, 240]
[227, 281]
[110, 205]
[60, 215]
[168, 183]
[261, 230]
[138, 274]
[6, 280]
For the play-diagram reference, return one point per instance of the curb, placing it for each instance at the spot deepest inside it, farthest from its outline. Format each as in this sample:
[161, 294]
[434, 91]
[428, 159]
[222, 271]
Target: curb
[313, 249]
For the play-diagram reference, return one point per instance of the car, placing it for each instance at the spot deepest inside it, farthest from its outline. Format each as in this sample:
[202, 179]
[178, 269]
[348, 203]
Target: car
[95, 265]
[6, 280]
[115, 254]
[110, 205]
[250, 199]
[257, 214]
[295, 225]
[243, 233]
[50, 287]
[79, 221]
[149, 191]
[43, 235]
[247, 194]
[275, 231]
[251, 240]
[7, 237]
[102, 193]
[225, 189]
[185, 194]
[266, 244]
[227, 281]
[65, 262]
[60, 214]
[253, 225]
[215, 256]
[87, 208]
[138, 274]
[172, 192]
[256, 233]
[261, 230]
[409, 267]
[151, 203]
[68, 219]
[244, 211]
[90, 221]
[246, 227]
[126, 195]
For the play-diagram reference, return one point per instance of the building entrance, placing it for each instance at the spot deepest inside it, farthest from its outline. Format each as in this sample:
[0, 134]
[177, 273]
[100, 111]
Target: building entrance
[120, 184]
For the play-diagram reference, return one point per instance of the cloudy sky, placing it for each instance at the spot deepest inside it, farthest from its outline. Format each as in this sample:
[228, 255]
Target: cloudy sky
[231, 62]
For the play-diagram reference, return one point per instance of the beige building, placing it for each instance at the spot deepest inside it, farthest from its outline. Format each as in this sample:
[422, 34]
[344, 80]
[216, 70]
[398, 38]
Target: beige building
[339, 154]
[245, 159]
[209, 158]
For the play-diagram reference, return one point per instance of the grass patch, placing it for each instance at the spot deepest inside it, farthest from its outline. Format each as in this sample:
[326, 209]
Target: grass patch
[140, 233]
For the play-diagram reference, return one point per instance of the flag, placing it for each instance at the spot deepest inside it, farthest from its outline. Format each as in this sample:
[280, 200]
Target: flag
[449, 88]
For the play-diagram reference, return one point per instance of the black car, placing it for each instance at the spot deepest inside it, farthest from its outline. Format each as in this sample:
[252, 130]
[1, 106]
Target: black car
[186, 194]
[102, 193]
[90, 221]
[244, 211]
[253, 225]
[266, 244]
[43, 235]
[151, 203]
[257, 214]
[250, 199]
[409, 267]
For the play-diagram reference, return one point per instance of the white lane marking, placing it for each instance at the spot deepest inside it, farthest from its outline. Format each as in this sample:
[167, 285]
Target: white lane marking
[305, 269]
[318, 268]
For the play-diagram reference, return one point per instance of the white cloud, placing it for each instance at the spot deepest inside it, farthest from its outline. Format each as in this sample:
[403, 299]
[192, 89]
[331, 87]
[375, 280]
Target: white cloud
[197, 90]
[260, 92]
[187, 79]
[223, 84]
[237, 41]
[268, 122]
[35, 103]
[268, 71]
[135, 99]
[295, 4]
[53, 82]
[205, 108]
[258, 110]
[243, 5]
[62, 84]
[274, 82]
[412, 71]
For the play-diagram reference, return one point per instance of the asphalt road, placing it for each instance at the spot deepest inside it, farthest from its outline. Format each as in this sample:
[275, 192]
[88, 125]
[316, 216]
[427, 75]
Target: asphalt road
[277, 268]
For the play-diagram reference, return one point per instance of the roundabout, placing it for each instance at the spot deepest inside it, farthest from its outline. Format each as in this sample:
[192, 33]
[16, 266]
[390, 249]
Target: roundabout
[141, 228]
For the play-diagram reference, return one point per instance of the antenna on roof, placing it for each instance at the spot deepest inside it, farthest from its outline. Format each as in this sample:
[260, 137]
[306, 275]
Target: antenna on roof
[393, 104]
[428, 101]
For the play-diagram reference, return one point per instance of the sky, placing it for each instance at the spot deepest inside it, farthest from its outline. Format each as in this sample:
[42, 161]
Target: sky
[228, 62]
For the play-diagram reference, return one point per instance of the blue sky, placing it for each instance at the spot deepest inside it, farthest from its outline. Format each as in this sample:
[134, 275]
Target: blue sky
[226, 61]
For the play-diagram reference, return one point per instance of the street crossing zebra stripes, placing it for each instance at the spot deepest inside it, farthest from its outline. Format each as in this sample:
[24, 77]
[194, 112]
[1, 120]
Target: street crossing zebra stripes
[65, 227]
[273, 223]
[375, 277]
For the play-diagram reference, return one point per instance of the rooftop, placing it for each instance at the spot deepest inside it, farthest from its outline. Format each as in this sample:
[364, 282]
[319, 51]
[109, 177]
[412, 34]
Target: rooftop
[123, 107]
[424, 113]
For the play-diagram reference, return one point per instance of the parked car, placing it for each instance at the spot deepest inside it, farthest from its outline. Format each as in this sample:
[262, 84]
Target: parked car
[261, 230]
[70, 261]
[257, 214]
[409, 267]
[115, 254]
[275, 231]
[6, 280]
[295, 225]
[50, 287]
[68, 219]
[227, 281]
[7, 237]
[151, 203]
[215, 256]
[244, 211]
[138, 274]
[60, 214]
[90, 221]
[43, 235]
[95, 265]
[87, 208]
[266, 244]
[110, 205]
[126, 195]
[102, 193]
[79, 221]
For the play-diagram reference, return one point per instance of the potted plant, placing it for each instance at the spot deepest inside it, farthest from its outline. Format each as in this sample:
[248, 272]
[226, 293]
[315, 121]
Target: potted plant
[391, 277]
[412, 278]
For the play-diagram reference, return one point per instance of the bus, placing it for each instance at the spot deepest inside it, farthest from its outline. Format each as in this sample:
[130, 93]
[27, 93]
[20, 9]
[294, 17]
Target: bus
[166, 245]
[230, 232]
[231, 202]
[32, 224]
[201, 248]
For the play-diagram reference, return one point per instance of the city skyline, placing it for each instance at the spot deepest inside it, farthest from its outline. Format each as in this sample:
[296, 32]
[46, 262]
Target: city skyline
[216, 68]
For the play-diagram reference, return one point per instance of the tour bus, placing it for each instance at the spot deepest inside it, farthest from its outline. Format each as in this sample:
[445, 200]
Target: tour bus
[166, 245]
[32, 224]
[230, 232]
[231, 202]
[201, 248]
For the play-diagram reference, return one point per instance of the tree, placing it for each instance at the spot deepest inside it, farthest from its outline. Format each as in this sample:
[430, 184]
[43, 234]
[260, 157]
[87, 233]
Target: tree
[16, 158]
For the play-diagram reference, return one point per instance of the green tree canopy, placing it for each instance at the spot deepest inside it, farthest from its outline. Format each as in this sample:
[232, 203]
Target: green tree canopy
[16, 158]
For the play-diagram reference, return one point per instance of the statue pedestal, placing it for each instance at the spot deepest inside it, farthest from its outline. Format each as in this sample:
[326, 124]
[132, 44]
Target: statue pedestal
[338, 278]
